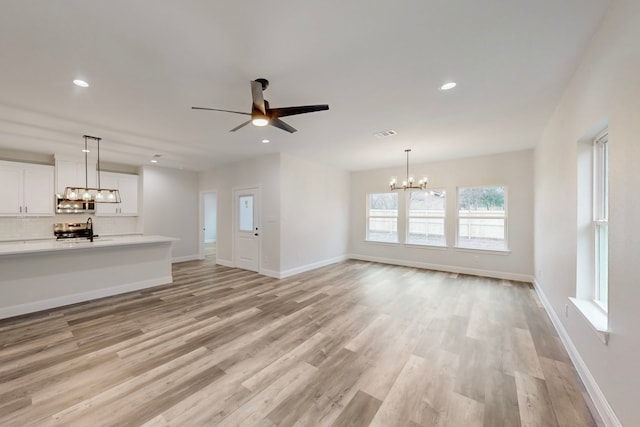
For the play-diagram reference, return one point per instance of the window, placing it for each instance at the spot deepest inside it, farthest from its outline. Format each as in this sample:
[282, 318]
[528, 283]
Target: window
[601, 220]
[245, 213]
[425, 220]
[592, 248]
[482, 218]
[382, 217]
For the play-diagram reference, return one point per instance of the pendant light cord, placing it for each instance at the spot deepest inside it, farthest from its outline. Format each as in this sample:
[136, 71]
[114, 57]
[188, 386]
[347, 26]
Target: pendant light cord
[86, 172]
[407, 151]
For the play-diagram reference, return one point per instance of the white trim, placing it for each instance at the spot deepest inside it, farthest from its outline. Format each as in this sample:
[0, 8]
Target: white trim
[599, 400]
[308, 267]
[62, 301]
[186, 258]
[224, 262]
[271, 273]
[448, 268]
[596, 318]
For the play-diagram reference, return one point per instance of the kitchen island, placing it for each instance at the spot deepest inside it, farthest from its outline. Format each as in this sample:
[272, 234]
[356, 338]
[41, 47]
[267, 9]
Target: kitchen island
[39, 275]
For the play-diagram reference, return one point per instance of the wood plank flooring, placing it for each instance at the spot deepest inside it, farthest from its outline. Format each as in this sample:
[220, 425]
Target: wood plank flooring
[351, 344]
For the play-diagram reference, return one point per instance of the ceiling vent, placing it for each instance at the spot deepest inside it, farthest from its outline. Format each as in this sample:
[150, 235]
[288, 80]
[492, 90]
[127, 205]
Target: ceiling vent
[385, 133]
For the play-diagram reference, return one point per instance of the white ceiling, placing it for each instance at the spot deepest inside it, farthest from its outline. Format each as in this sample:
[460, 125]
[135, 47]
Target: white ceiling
[378, 64]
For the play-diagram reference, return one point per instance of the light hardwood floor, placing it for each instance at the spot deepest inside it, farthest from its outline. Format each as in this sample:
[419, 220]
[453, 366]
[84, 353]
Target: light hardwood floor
[351, 344]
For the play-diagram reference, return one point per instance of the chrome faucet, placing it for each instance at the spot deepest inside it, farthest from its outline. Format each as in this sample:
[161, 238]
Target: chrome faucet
[90, 228]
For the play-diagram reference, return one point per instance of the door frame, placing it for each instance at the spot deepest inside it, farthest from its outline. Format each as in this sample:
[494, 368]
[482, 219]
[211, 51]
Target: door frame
[257, 221]
[201, 222]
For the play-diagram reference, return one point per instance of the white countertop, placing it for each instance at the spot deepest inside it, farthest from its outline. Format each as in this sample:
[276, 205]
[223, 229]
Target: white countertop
[25, 247]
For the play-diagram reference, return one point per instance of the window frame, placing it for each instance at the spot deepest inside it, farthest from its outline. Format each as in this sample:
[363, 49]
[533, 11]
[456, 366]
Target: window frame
[369, 217]
[443, 216]
[600, 220]
[504, 218]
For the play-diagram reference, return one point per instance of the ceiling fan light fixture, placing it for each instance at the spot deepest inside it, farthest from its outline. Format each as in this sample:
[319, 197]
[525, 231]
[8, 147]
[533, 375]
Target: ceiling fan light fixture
[260, 121]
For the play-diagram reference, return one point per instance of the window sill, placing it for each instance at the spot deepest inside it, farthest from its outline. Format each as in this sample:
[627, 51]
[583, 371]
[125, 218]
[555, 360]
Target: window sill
[483, 251]
[377, 242]
[595, 317]
[418, 246]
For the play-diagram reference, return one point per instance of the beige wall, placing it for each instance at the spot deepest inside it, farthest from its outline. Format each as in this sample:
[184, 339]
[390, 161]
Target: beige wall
[514, 170]
[604, 90]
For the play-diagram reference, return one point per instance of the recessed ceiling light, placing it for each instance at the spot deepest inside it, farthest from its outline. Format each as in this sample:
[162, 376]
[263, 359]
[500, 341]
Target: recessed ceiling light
[80, 83]
[265, 141]
[153, 161]
[448, 86]
[385, 133]
[84, 150]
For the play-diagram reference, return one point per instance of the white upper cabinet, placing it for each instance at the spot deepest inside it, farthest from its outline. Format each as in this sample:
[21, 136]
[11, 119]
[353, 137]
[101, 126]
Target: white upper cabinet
[26, 190]
[72, 173]
[127, 185]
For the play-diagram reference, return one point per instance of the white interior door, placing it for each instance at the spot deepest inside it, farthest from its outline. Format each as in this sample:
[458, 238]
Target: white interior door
[247, 229]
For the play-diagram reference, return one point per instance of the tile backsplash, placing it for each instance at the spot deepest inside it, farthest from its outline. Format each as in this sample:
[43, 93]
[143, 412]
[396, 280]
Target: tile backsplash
[42, 227]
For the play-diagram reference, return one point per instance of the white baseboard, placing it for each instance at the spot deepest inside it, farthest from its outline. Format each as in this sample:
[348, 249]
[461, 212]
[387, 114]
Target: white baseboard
[271, 273]
[185, 258]
[303, 268]
[599, 400]
[224, 262]
[33, 307]
[448, 268]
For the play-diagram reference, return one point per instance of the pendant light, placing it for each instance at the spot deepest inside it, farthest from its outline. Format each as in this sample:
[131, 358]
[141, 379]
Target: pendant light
[408, 184]
[89, 194]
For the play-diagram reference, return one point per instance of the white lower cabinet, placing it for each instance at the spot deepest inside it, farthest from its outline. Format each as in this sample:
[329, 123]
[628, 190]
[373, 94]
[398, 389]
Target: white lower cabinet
[127, 185]
[26, 189]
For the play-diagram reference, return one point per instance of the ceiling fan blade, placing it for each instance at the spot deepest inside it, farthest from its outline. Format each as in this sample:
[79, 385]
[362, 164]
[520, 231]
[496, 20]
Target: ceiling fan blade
[225, 111]
[281, 125]
[239, 126]
[291, 111]
[258, 98]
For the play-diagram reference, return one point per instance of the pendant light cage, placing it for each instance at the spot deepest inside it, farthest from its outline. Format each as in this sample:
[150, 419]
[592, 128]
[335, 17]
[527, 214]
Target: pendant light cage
[92, 194]
[409, 183]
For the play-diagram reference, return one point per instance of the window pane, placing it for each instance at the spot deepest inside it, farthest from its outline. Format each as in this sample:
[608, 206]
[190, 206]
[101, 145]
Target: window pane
[481, 201]
[481, 233]
[425, 222]
[425, 203]
[382, 218]
[600, 193]
[245, 213]
[383, 230]
[602, 264]
[426, 231]
[383, 204]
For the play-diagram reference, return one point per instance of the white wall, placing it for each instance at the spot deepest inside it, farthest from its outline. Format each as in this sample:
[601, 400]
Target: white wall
[314, 214]
[605, 88]
[265, 173]
[170, 208]
[210, 217]
[514, 170]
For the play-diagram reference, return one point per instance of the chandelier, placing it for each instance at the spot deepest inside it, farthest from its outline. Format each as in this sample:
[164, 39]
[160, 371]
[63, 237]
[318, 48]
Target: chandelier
[409, 183]
[86, 193]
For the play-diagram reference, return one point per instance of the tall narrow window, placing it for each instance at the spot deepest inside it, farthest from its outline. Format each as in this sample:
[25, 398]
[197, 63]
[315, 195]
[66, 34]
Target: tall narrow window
[425, 219]
[601, 219]
[482, 218]
[382, 217]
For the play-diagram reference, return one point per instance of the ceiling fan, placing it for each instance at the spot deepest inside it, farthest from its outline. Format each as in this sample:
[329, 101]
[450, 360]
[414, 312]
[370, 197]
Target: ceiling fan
[262, 115]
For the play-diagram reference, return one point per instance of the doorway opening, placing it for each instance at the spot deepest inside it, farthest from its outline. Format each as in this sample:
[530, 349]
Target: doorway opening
[209, 235]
